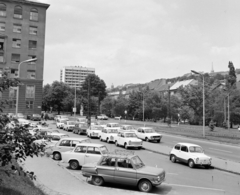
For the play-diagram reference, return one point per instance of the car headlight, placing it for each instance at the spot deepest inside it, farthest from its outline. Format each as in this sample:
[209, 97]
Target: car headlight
[157, 179]
[197, 159]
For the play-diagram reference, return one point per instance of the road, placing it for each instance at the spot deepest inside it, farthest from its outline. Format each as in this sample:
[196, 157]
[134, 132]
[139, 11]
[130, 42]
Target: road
[180, 179]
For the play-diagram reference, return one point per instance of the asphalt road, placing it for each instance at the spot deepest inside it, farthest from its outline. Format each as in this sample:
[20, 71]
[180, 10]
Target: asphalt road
[180, 179]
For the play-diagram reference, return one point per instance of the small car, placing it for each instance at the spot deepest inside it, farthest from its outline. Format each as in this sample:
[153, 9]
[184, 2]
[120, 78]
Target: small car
[50, 116]
[114, 125]
[80, 128]
[51, 138]
[34, 117]
[58, 117]
[64, 144]
[128, 139]
[23, 121]
[60, 123]
[81, 120]
[94, 131]
[123, 167]
[108, 135]
[102, 117]
[68, 125]
[84, 153]
[191, 154]
[148, 134]
[128, 128]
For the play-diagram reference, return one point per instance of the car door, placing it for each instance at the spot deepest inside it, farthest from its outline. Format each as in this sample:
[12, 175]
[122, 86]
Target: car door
[64, 145]
[93, 154]
[124, 172]
[79, 154]
[183, 153]
[106, 169]
[140, 133]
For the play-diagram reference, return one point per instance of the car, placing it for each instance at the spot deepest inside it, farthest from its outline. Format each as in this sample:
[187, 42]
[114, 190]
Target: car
[113, 125]
[84, 153]
[102, 117]
[81, 120]
[126, 168]
[23, 121]
[94, 131]
[34, 117]
[128, 139]
[191, 154]
[148, 134]
[51, 138]
[128, 128]
[60, 123]
[118, 117]
[50, 116]
[68, 125]
[63, 145]
[108, 135]
[80, 128]
[58, 117]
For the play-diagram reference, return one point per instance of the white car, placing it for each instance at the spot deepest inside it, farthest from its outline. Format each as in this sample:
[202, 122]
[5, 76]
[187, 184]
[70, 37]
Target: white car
[51, 138]
[68, 125]
[82, 120]
[102, 117]
[63, 145]
[84, 153]
[94, 131]
[113, 125]
[60, 123]
[108, 135]
[128, 128]
[128, 139]
[148, 134]
[58, 117]
[191, 154]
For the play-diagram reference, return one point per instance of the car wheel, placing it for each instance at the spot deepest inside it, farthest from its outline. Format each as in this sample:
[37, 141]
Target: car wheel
[191, 163]
[139, 148]
[100, 138]
[125, 146]
[57, 156]
[158, 141]
[73, 164]
[116, 143]
[97, 181]
[207, 166]
[145, 186]
[173, 158]
[90, 136]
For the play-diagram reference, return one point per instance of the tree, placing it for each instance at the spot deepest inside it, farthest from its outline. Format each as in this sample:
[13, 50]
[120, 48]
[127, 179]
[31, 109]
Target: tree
[107, 106]
[231, 80]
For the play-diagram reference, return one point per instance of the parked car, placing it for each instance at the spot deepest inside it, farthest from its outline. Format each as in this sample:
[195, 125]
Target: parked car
[50, 116]
[108, 135]
[51, 138]
[102, 117]
[128, 139]
[64, 144]
[68, 125]
[80, 128]
[23, 121]
[128, 128]
[60, 123]
[113, 125]
[118, 117]
[58, 117]
[18, 116]
[94, 131]
[148, 134]
[84, 153]
[124, 168]
[34, 117]
[81, 120]
[191, 154]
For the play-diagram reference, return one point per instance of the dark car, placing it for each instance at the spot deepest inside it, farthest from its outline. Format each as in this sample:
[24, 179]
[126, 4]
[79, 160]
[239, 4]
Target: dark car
[34, 117]
[80, 128]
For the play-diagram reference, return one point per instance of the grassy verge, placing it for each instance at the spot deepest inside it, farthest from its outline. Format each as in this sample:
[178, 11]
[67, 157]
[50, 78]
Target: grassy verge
[16, 183]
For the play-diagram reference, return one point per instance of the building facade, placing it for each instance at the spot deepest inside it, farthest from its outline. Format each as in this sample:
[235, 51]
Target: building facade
[74, 76]
[22, 37]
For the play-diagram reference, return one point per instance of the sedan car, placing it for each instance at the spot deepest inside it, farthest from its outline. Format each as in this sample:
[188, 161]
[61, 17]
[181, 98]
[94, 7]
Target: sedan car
[102, 117]
[94, 131]
[80, 128]
[84, 153]
[128, 139]
[148, 134]
[124, 168]
[60, 123]
[191, 154]
[68, 125]
[128, 128]
[108, 135]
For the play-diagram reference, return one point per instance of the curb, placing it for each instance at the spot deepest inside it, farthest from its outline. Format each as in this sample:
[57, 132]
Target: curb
[212, 167]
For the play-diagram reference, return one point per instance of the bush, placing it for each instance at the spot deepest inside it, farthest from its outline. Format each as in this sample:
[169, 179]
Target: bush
[211, 125]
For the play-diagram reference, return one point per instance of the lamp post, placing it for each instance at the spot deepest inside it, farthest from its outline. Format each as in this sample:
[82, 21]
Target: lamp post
[19, 68]
[195, 72]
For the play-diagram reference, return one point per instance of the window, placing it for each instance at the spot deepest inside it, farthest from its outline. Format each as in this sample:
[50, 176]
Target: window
[15, 58]
[31, 74]
[17, 28]
[2, 10]
[177, 147]
[12, 104]
[32, 44]
[33, 30]
[65, 143]
[1, 72]
[93, 150]
[34, 14]
[29, 104]
[184, 148]
[1, 58]
[30, 91]
[2, 26]
[81, 149]
[32, 57]
[2, 41]
[108, 162]
[16, 43]
[14, 72]
[18, 12]
[12, 93]
[124, 163]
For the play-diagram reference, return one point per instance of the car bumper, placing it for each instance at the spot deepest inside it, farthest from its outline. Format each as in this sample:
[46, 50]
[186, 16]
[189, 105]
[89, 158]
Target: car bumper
[157, 183]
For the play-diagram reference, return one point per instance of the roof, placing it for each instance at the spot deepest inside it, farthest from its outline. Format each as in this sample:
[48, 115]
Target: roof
[75, 138]
[90, 144]
[146, 127]
[188, 144]
[120, 154]
[181, 83]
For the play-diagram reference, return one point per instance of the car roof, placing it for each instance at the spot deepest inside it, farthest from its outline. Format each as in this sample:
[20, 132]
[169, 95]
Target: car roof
[56, 133]
[75, 138]
[113, 123]
[188, 144]
[127, 131]
[145, 127]
[120, 154]
[90, 144]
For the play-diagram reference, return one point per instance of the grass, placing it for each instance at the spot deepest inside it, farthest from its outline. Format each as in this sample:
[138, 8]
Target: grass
[16, 184]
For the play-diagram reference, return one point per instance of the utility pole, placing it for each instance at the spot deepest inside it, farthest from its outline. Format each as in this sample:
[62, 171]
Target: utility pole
[89, 104]
[169, 106]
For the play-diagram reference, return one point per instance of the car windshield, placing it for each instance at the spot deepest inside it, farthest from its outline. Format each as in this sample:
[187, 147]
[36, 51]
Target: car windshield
[103, 150]
[36, 115]
[115, 125]
[64, 136]
[96, 128]
[130, 128]
[130, 135]
[112, 131]
[149, 131]
[72, 123]
[137, 162]
[195, 149]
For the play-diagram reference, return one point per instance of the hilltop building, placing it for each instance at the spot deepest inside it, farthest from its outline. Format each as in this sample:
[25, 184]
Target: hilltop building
[22, 37]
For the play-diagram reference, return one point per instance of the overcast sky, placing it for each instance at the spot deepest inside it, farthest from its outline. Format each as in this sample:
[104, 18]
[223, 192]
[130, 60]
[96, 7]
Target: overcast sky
[137, 41]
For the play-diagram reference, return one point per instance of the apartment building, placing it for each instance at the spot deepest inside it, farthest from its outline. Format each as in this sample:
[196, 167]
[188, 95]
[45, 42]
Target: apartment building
[75, 75]
[22, 37]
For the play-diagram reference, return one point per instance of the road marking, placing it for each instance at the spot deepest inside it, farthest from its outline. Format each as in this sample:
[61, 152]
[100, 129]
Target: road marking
[214, 189]
[220, 150]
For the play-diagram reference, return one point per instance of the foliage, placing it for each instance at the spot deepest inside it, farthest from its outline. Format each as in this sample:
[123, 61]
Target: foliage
[231, 80]
[211, 125]
[107, 106]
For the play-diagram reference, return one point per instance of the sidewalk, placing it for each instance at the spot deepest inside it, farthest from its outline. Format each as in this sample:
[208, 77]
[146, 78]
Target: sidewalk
[217, 163]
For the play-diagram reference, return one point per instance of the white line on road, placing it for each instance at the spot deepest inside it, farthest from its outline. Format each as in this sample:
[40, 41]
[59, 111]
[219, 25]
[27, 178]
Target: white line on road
[195, 187]
[220, 150]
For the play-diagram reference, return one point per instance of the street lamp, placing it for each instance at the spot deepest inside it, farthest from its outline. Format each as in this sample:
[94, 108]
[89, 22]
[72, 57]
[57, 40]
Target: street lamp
[195, 72]
[19, 68]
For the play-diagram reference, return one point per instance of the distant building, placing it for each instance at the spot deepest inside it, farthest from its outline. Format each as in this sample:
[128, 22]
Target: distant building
[75, 75]
[184, 83]
[22, 37]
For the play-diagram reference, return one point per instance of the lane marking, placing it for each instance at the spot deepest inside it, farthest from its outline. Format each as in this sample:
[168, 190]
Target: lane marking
[214, 189]
[220, 150]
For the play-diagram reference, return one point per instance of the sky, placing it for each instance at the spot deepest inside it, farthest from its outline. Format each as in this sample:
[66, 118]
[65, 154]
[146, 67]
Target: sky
[138, 41]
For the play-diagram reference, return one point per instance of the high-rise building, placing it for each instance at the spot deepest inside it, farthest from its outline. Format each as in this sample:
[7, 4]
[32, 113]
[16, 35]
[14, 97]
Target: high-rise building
[22, 37]
[74, 76]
